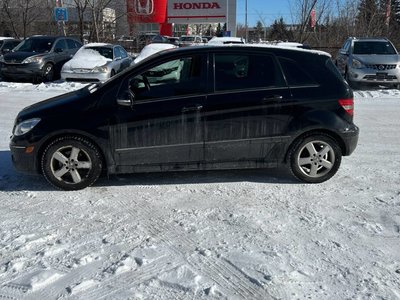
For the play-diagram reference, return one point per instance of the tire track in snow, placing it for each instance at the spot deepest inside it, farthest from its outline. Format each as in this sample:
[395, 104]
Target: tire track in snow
[229, 279]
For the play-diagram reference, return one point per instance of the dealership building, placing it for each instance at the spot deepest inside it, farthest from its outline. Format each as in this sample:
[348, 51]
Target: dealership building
[174, 17]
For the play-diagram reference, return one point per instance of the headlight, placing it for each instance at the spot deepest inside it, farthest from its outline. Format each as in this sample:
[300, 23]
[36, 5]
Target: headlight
[102, 69]
[356, 64]
[36, 59]
[25, 126]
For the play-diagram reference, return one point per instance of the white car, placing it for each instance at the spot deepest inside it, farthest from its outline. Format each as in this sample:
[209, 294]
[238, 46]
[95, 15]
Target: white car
[96, 62]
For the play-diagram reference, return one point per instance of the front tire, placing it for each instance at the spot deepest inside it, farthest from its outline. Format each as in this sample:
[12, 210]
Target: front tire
[48, 72]
[71, 163]
[315, 158]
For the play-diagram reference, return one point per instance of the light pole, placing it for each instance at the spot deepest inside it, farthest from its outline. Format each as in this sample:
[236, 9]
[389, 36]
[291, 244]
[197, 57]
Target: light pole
[245, 22]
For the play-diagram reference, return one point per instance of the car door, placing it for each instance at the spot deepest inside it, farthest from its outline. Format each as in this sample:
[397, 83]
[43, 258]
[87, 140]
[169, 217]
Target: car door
[164, 126]
[125, 59]
[248, 113]
[61, 53]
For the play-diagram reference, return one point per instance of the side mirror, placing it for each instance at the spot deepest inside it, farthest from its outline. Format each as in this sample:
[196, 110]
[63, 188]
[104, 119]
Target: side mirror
[118, 58]
[127, 100]
[344, 52]
[58, 50]
[6, 51]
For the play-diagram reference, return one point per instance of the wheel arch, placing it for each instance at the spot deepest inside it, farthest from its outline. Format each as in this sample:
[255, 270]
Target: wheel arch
[104, 153]
[306, 134]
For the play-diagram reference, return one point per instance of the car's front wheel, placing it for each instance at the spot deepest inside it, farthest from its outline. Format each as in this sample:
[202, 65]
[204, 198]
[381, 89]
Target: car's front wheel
[48, 72]
[315, 158]
[71, 163]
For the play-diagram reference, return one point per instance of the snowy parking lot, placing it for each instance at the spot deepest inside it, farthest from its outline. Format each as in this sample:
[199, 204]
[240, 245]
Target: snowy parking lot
[207, 235]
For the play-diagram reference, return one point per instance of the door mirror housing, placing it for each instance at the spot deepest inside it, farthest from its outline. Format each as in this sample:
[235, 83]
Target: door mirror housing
[58, 50]
[128, 99]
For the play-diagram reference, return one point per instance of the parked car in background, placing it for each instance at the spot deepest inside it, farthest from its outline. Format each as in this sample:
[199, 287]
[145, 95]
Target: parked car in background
[190, 40]
[96, 62]
[205, 108]
[225, 40]
[7, 44]
[369, 61]
[38, 58]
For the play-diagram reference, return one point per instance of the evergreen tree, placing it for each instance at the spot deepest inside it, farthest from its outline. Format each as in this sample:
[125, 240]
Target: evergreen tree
[279, 31]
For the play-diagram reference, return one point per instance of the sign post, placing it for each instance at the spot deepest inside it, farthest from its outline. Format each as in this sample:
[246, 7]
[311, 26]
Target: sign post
[61, 16]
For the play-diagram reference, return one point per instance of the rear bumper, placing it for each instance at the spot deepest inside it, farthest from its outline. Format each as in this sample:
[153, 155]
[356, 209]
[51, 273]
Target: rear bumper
[350, 139]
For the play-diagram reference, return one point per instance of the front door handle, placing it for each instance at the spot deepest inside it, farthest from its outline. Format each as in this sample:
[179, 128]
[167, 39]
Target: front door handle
[192, 108]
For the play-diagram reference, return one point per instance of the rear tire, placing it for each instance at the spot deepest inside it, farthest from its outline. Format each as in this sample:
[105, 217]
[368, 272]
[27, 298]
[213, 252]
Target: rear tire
[315, 158]
[71, 163]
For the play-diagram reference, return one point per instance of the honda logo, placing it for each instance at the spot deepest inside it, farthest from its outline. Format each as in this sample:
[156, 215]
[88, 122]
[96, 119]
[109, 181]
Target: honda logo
[144, 7]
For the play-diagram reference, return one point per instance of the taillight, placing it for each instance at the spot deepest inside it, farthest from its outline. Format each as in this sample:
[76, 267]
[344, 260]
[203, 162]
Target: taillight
[348, 105]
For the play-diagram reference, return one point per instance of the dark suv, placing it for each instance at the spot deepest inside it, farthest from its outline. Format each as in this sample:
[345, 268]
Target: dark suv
[38, 58]
[195, 108]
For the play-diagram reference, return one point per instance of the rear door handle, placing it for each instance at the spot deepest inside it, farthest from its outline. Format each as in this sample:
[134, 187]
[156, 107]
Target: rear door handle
[272, 98]
[192, 108]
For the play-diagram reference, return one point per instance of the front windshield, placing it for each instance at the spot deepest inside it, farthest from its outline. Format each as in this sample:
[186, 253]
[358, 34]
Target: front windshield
[380, 48]
[35, 45]
[104, 51]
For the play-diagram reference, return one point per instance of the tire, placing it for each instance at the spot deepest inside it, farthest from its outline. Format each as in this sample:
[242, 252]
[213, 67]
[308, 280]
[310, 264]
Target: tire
[71, 163]
[315, 158]
[48, 72]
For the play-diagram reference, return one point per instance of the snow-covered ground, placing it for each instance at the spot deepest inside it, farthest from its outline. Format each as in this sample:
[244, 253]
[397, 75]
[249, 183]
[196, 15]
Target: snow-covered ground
[207, 235]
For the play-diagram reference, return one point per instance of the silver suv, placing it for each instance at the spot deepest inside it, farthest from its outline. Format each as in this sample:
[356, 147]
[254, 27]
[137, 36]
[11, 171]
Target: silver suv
[369, 60]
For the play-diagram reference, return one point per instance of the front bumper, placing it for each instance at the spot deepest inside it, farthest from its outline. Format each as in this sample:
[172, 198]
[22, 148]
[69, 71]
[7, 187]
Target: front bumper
[24, 160]
[21, 71]
[371, 75]
[85, 76]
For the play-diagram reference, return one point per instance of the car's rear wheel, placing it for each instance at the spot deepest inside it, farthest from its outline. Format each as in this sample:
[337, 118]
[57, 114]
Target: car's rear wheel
[315, 158]
[48, 72]
[71, 163]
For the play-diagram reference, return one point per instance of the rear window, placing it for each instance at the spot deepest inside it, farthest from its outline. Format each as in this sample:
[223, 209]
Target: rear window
[295, 74]
[238, 71]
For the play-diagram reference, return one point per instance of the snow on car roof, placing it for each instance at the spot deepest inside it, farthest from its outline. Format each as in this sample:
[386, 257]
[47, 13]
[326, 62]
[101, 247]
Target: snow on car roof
[224, 40]
[152, 49]
[98, 45]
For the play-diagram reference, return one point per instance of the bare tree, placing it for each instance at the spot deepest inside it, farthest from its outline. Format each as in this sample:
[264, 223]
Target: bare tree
[21, 14]
[301, 15]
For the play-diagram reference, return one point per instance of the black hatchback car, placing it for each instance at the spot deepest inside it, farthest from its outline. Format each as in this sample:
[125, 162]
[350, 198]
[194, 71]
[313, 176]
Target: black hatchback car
[38, 58]
[195, 108]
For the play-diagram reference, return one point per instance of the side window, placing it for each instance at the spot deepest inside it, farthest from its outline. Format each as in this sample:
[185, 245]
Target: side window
[72, 44]
[124, 54]
[117, 53]
[346, 46]
[295, 74]
[61, 45]
[233, 72]
[179, 77]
